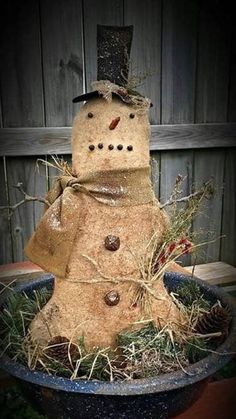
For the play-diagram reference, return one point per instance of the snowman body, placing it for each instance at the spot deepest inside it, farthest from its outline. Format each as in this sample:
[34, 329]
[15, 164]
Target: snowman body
[95, 298]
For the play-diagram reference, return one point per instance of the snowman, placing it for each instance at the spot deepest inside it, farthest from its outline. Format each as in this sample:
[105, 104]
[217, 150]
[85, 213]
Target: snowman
[102, 218]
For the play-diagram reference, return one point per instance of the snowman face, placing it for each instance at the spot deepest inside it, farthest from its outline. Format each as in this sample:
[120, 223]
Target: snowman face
[109, 136]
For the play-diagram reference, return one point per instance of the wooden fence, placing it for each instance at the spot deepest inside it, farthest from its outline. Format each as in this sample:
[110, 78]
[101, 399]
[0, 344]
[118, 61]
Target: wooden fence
[188, 50]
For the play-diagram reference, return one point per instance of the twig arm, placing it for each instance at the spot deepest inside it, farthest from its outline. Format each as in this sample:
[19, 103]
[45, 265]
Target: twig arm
[207, 189]
[26, 198]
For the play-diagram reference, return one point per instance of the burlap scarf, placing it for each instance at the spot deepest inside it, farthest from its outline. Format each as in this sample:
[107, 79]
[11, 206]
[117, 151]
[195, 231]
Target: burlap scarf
[51, 244]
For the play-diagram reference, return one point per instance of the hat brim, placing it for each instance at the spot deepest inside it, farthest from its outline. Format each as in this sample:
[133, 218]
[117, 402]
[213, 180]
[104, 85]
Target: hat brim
[96, 94]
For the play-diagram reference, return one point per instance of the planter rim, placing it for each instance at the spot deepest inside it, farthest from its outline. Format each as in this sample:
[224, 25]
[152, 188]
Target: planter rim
[163, 382]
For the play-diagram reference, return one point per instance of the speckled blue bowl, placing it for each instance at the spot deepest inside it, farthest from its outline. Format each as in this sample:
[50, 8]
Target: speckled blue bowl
[160, 397]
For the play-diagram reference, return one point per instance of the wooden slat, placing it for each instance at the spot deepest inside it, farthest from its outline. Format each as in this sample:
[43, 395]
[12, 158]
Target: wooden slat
[179, 60]
[56, 140]
[21, 75]
[232, 82]
[207, 225]
[213, 62]
[155, 172]
[173, 164]
[5, 232]
[228, 249]
[104, 12]
[216, 273]
[146, 49]
[61, 26]
[211, 106]
[23, 221]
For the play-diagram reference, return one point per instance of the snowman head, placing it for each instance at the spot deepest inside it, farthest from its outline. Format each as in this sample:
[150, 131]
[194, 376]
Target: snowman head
[110, 135]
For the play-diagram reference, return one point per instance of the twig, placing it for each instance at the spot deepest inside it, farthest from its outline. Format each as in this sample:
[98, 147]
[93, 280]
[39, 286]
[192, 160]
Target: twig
[26, 198]
[187, 198]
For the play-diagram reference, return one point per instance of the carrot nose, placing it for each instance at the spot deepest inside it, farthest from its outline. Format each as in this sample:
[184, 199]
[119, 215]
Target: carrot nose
[114, 123]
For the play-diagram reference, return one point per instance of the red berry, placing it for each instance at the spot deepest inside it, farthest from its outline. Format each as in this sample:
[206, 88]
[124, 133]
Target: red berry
[183, 241]
[171, 247]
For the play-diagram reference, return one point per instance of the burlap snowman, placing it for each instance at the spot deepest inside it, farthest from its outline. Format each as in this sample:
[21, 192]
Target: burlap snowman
[101, 220]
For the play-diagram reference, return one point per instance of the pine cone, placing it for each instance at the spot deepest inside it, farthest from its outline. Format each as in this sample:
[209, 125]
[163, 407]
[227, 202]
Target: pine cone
[217, 320]
[59, 348]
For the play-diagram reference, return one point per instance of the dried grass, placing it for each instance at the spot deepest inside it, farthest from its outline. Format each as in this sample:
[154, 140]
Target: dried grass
[141, 353]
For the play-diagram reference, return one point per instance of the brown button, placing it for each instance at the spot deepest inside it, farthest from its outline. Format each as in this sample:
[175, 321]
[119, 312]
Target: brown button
[112, 243]
[112, 298]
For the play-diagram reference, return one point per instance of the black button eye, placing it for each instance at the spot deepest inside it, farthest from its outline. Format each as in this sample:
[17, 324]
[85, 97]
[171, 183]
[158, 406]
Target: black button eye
[90, 115]
[131, 115]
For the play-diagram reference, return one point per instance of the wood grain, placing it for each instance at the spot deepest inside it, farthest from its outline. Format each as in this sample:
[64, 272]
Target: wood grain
[20, 65]
[24, 220]
[146, 49]
[173, 164]
[179, 61]
[228, 253]
[215, 273]
[232, 70]
[209, 164]
[5, 231]
[61, 26]
[155, 162]
[56, 140]
[213, 62]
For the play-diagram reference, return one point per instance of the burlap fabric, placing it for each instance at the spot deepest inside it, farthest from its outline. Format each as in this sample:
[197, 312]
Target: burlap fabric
[51, 245]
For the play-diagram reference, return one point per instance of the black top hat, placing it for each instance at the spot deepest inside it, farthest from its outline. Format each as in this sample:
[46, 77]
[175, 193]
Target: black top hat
[113, 52]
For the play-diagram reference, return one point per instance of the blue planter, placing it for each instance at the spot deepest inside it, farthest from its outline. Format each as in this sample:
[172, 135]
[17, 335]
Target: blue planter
[160, 397]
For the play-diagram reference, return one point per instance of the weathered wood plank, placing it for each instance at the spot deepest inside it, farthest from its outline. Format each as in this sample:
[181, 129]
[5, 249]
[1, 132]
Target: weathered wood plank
[20, 65]
[56, 140]
[215, 273]
[232, 83]
[61, 23]
[23, 221]
[228, 253]
[173, 164]
[156, 172]
[5, 232]
[146, 49]
[207, 225]
[104, 12]
[213, 62]
[188, 136]
[179, 60]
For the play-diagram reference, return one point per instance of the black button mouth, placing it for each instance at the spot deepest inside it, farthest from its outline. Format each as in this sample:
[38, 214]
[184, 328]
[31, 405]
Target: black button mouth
[110, 147]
